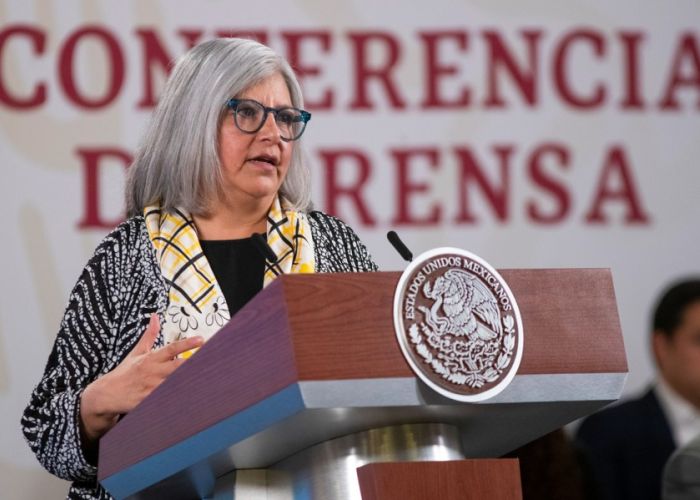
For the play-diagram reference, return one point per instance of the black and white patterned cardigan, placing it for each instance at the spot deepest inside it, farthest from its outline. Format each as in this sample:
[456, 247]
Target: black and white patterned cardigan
[108, 311]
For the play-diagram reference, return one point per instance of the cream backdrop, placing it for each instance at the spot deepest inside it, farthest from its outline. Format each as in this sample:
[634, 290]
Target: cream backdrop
[581, 119]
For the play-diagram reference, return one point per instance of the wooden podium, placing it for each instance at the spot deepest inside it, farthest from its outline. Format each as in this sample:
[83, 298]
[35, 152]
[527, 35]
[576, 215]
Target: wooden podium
[307, 383]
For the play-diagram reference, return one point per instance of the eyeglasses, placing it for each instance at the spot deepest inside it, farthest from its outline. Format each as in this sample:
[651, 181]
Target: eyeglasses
[250, 115]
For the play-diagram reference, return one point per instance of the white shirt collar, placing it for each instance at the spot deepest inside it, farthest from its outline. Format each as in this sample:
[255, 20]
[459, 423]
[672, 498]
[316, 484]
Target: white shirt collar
[683, 417]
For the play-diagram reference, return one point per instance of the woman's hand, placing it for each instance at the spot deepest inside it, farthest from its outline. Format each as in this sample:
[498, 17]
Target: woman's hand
[120, 390]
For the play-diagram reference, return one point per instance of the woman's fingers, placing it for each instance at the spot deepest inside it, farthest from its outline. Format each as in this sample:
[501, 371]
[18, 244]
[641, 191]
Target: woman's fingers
[120, 390]
[149, 337]
[162, 363]
[171, 351]
[167, 368]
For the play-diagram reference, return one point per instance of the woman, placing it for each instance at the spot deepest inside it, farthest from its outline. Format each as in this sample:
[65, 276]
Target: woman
[220, 163]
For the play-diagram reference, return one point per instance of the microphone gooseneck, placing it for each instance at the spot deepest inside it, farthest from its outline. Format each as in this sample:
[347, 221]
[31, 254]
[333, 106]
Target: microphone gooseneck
[399, 246]
[261, 244]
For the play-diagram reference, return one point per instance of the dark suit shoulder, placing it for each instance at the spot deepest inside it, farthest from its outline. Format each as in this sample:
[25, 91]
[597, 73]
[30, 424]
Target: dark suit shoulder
[631, 421]
[627, 446]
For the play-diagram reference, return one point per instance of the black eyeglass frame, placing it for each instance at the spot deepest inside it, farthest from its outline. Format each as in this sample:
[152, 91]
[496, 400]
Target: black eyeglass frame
[304, 116]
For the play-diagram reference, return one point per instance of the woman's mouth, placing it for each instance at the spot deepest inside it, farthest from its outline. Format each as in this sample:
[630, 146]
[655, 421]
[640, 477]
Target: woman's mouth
[265, 159]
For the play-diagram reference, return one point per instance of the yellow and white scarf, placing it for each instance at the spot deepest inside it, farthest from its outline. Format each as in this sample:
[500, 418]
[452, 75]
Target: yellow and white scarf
[196, 304]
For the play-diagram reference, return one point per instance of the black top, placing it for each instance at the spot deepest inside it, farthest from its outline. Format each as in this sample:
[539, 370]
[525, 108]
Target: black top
[239, 268]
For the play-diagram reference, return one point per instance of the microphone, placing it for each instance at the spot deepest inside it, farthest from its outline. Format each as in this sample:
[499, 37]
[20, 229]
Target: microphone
[260, 243]
[399, 246]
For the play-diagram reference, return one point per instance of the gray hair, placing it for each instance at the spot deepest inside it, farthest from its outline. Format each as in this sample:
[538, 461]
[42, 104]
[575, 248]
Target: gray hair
[177, 164]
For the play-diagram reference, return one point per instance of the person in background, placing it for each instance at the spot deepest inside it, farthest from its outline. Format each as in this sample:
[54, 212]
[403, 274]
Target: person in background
[220, 163]
[629, 444]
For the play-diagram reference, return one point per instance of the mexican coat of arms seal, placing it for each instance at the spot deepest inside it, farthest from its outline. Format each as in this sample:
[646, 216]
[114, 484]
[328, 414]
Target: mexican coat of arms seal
[458, 324]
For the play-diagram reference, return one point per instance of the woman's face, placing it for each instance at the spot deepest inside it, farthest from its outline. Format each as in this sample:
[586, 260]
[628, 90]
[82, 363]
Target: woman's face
[254, 165]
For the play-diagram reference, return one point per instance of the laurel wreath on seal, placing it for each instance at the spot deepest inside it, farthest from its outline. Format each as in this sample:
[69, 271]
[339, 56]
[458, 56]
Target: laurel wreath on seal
[473, 378]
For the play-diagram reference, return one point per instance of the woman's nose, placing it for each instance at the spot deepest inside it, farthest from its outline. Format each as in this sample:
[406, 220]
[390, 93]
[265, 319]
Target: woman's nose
[270, 128]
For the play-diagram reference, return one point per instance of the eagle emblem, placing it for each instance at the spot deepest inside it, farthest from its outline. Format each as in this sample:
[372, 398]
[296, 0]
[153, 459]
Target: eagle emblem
[458, 325]
[462, 298]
